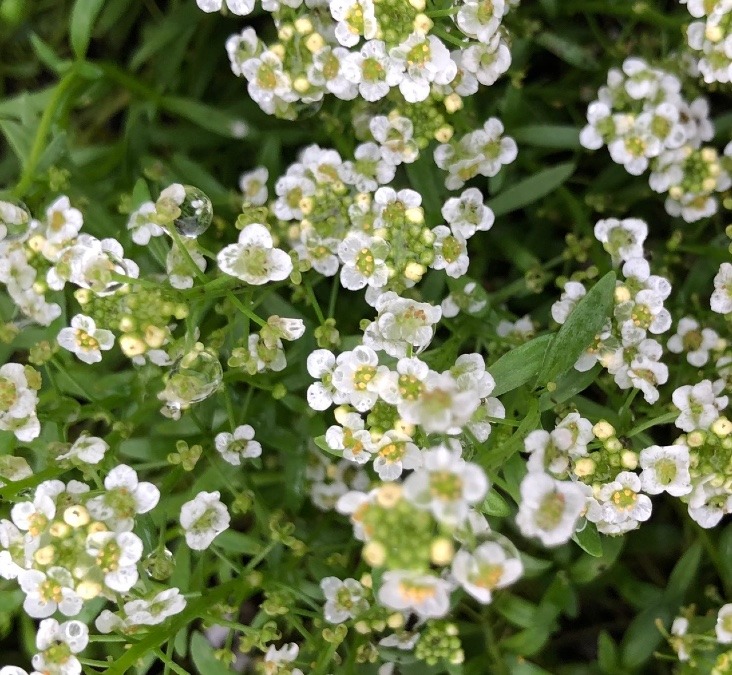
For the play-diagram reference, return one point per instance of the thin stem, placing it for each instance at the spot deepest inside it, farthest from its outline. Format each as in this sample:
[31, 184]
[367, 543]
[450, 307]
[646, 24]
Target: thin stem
[314, 301]
[333, 299]
[26, 178]
[245, 310]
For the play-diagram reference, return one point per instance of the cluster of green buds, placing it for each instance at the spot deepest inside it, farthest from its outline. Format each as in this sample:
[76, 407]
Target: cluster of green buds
[710, 453]
[602, 464]
[439, 642]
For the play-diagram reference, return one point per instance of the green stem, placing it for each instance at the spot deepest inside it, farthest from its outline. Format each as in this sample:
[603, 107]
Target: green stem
[443, 12]
[661, 419]
[314, 301]
[245, 310]
[26, 178]
[333, 298]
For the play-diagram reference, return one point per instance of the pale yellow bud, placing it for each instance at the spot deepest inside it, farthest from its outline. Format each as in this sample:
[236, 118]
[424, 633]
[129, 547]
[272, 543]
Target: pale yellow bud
[415, 215]
[303, 25]
[286, 32]
[95, 527]
[278, 50]
[362, 627]
[629, 460]
[389, 495]
[374, 554]
[676, 192]
[444, 134]
[419, 5]
[622, 294]
[722, 427]
[422, 24]
[154, 336]
[613, 444]
[58, 529]
[713, 33]
[132, 346]
[414, 271]
[45, 555]
[603, 430]
[127, 324]
[76, 516]
[404, 427]
[695, 439]
[88, 590]
[366, 580]
[442, 551]
[709, 155]
[453, 103]
[314, 43]
[301, 84]
[341, 413]
[395, 621]
[584, 467]
[306, 205]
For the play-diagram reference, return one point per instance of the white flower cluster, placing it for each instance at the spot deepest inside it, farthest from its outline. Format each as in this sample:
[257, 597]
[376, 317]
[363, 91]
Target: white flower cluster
[18, 401]
[644, 120]
[436, 502]
[367, 49]
[624, 346]
[711, 38]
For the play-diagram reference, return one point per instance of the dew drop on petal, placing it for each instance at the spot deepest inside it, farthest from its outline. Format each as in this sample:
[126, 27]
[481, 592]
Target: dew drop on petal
[159, 564]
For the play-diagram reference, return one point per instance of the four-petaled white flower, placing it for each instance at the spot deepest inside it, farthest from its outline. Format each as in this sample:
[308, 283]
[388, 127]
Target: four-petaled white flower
[233, 447]
[254, 258]
[203, 519]
[85, 340]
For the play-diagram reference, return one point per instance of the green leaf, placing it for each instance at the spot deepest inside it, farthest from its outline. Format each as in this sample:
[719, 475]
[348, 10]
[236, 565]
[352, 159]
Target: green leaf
[83, 15]
[203, 657]
[568, 51]
[579, 330]
[238, 542]
[589, 540]
[532, 188]
[205, 116]
[517, 611]
[498, 456]
[19, 138]
[607, 652]
[548, 136]
[519, 365]
[495, 505]
[47, 56]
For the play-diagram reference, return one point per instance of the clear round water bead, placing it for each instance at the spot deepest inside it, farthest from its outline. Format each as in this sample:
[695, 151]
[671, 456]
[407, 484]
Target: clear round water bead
[193, 378]
[196, 213]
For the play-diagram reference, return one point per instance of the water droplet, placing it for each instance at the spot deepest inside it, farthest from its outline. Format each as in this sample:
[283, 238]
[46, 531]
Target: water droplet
[307, 110]
[159, 564]
[95, 269]
[15, 219]
[193, 378]
[196, 213]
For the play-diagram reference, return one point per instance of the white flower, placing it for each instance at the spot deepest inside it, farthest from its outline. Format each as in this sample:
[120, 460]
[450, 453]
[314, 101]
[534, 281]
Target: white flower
[619, 505]
[600, 127]
[86, 449]
[425, 60]
[275, 659]
[665, 469]
[63, 222]
[373, 70]
[355, 377]
[581, 430]
[203, 519]
[723, 629]
[395, 135]
[85, 340]
[155, 610]
[549, 451]
[253, 186]
[487, 568]
[470, 374]
[46, 592]
[267, 82]
[622, 239]
[321, 395]
[401, 323]
[254, 259]
[328, 71]
[709, 504]
[467, 214]
[426, 595]
[238, 7]
[480, 19]
[57, 644]
[487, 62]
[698, 405]
[351, 439]
[142, 224]
[441, 406]
[178, 267]
[694, 340]
[363, 259]
[237, 446]
[18, 403]
[117, 554]
[343, 599]
[451, 252]
[549, 508]
[395, 452]
[124, 498]
[446, 485]
[721, 301]
[573, 292]
[355, 19]
[403, 384]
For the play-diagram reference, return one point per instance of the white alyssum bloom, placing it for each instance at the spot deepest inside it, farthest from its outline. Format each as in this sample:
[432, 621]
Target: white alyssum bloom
[178, 267]
[344, 599]
[142, 225]
[46, 592]
[254, 259]
[622, 239]
[696, 341]
[85, 340]
[480, 19]
[125, 497]
[321, 395]
[489, 567]
[63, 221]
[441, 406]
[275, 660]
[620, 506]
[401, 323]
[363, 258]
[426, 595]
[355, 19]
[451, 252]
[153, 611]
[424, 60]
[549, 508]
[203, 519]
[723, 628]
[395, 136]
[721, 300]
[18, 401]
[233, 447]
[117, 554]
[395, 452]
[581, 431]
[487, 62]
[699, 406]
[328, 71]
[355, 379]
[665, 469]
[351, 438]
[573, 292]
[446, 485]
[372, 70]
[238, 7]
[708, 504]
[267, 82]
[253, 185]
[549, 451]
[58, 644]
[369, 169]
[468, 214]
